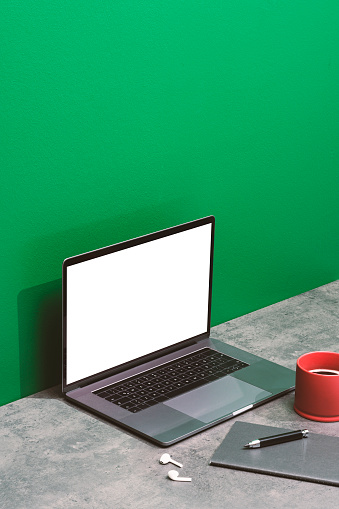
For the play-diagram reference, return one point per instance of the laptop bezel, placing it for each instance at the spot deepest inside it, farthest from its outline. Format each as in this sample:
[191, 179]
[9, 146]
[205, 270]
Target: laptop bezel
[118, 247]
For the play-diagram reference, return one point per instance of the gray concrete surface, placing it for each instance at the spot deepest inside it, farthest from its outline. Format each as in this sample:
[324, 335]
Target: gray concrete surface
[54, 455]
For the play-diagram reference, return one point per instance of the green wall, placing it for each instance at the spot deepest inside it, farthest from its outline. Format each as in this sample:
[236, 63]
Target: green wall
[127, 116]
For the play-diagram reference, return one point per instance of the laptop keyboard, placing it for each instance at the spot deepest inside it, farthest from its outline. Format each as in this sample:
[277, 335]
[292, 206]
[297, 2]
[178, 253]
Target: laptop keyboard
[170, 379]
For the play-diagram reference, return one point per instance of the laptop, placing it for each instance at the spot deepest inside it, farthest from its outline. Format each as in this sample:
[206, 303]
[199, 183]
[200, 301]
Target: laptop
[136, 338]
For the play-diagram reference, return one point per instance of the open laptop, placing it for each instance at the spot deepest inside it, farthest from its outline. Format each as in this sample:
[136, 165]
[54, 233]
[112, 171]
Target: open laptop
[136, 338]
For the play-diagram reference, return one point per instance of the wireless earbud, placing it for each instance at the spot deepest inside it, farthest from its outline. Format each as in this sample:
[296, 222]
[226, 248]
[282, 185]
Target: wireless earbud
[166, 458]
[174, 476]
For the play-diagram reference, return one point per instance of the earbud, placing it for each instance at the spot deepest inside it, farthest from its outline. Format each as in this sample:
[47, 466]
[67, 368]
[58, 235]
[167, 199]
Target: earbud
[166, 458]
[174, 476]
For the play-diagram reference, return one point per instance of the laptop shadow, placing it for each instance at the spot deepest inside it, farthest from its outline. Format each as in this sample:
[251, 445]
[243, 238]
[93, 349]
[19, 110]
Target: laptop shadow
[40, 338]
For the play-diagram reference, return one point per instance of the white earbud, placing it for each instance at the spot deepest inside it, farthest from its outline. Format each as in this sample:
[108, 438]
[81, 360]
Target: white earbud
[166, 458]
[174, 476]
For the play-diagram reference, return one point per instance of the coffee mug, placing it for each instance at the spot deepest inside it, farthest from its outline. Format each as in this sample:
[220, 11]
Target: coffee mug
[317, 386]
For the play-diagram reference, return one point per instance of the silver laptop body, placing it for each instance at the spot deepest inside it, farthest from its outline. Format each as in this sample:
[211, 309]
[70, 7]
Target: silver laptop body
[136, 338]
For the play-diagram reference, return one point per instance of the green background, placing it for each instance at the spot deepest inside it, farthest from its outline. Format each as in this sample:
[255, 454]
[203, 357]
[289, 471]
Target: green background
[123, 117]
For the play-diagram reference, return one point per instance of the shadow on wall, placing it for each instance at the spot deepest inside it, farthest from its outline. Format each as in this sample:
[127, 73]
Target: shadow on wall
[40, 336]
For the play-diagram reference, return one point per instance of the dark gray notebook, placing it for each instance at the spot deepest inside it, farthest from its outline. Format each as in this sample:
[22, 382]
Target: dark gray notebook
[315, 458]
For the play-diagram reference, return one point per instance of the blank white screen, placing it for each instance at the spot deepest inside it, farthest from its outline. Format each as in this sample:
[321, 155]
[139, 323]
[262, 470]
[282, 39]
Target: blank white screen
[127, 304]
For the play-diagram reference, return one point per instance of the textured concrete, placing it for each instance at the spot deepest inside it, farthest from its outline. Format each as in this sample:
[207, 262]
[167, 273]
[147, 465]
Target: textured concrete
[54, 455]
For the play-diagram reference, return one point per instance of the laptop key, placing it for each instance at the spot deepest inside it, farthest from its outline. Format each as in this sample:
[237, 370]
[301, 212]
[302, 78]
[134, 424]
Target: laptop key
[121, 401]
[103, 394]
[151, 402]
[115, 396]
[136, 402]
[142, 406]
[128, 406]
[160, 398]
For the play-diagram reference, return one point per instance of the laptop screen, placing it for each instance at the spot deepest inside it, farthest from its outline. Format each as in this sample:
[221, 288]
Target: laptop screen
[136, 300]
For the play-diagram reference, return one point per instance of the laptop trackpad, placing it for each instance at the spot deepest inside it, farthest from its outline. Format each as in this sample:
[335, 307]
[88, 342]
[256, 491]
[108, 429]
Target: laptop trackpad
[217, 399]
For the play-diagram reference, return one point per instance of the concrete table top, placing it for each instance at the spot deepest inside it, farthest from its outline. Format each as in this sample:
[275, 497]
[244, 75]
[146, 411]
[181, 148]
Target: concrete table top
[54, 455]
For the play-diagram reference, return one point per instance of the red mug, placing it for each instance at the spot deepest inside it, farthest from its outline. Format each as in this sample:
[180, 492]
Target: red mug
[317, 386]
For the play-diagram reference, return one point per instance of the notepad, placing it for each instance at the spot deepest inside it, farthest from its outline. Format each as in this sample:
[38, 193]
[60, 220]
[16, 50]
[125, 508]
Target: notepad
[314, 459]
